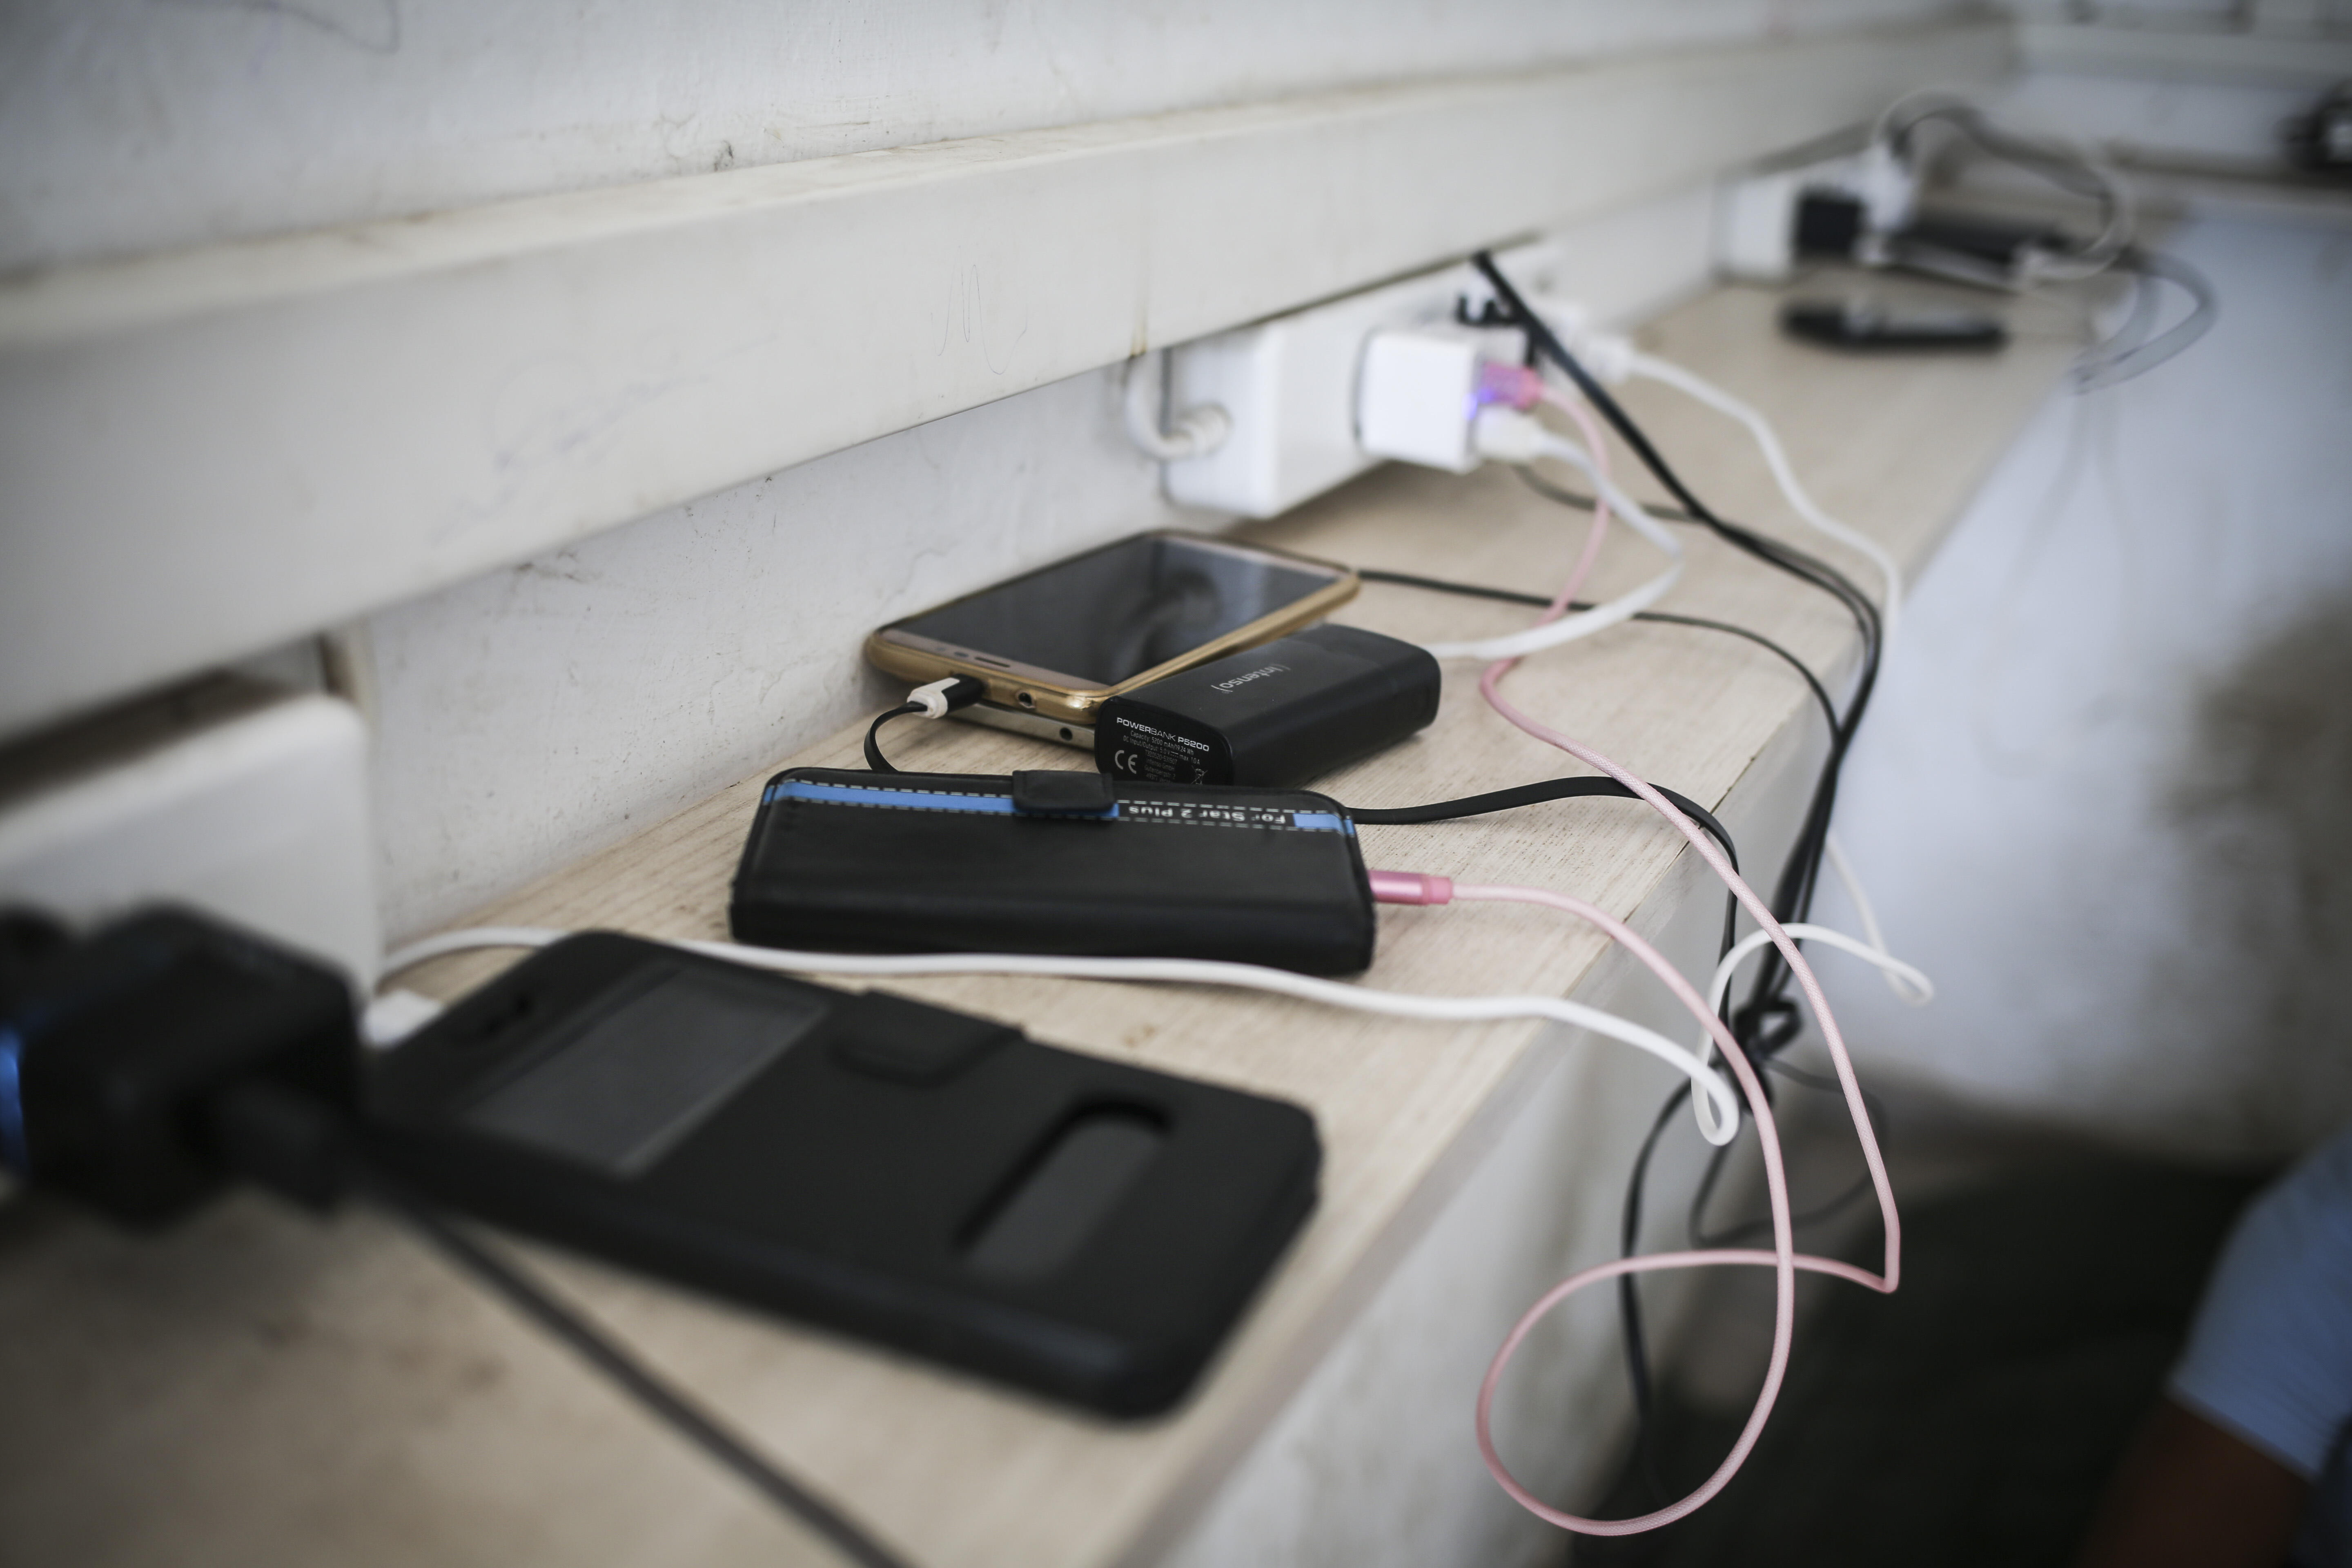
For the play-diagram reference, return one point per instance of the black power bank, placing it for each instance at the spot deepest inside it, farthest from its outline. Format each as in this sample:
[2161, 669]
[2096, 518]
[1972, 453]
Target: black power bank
[924, 1178]
[1054, 862]
[1276, 714]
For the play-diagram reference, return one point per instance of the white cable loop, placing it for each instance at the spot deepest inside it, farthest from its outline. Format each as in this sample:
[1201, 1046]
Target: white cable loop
[1195, 433]
[1897, 981]
[1711, 1088]
[1516, 437]
[2040, 267]
[1709, 1124]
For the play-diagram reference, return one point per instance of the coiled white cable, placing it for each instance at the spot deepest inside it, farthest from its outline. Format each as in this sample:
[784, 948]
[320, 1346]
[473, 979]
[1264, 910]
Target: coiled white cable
[2116, 234]
[1708, 1085]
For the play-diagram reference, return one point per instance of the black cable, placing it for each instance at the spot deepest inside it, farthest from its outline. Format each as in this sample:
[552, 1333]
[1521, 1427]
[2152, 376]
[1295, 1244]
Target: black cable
[874, 757]
[1581, 502]
[295, 1145]
[1535, 795]
[1545, 343]
[1629, 1305]
[1512, 595]
[954, 693]
[1438, 810]
[1767, 1021]
[610, 1357]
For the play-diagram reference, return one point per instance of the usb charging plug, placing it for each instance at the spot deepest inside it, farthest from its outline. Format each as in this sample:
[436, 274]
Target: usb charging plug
[935, 701]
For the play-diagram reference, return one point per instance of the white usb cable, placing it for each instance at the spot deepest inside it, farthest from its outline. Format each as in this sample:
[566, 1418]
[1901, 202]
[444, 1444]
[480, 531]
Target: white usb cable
[1784, 475]
[1908, 982]
[935, 699]
[1912, 992]
[1708, 1085]
[1195, 433]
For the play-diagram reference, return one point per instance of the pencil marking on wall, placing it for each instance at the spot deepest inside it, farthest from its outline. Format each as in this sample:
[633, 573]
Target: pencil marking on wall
[369, 25]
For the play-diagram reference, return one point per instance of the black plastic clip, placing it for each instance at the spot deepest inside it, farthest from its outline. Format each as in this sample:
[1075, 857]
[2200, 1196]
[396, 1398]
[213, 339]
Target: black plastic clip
[1047, 793]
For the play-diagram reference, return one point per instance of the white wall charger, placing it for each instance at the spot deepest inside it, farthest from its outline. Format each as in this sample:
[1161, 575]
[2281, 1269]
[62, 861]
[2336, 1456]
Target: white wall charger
[1416, 397]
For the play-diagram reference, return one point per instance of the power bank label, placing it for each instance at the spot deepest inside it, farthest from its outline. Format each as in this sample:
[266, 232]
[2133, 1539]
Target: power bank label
[1146, 752]
[1212, 815]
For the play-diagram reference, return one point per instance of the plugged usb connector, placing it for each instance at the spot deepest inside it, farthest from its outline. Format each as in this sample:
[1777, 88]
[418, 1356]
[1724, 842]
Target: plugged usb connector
[935, 701]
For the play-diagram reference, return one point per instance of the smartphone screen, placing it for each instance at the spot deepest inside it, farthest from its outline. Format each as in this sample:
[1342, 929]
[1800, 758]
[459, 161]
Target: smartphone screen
[1107, 616]
[644, 1075]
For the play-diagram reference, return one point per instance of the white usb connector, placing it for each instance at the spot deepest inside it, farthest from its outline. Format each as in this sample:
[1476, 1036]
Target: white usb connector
[936, 698]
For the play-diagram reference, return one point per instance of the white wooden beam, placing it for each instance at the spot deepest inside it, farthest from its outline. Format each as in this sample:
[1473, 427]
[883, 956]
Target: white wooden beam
[204, 454]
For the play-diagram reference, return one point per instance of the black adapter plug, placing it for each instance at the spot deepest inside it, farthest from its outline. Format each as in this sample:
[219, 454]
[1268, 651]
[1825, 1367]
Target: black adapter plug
[117, 1051]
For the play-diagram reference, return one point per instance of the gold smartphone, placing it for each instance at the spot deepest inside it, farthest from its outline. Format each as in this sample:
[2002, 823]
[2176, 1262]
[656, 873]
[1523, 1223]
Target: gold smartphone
[1054, 643]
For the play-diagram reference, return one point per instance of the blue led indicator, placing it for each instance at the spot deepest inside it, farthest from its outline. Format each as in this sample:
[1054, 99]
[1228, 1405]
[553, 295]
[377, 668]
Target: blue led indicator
[13, 1147]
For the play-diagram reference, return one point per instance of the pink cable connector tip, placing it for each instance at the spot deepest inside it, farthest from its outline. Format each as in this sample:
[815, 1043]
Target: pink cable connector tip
[1515, 385]
[1410, 888]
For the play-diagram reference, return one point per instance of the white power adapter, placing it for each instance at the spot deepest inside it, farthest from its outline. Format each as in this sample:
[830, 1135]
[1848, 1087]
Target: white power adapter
[1415, 397]
[1432, 398]
[1756, 216]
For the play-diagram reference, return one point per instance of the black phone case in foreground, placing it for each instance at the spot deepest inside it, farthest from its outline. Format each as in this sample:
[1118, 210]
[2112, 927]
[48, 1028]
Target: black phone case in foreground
[925, 1178]
[1054, 862]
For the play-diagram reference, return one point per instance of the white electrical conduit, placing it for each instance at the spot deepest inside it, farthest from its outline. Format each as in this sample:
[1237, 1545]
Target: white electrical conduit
[1767, 441]
[1514, 437]
[1707, 1084]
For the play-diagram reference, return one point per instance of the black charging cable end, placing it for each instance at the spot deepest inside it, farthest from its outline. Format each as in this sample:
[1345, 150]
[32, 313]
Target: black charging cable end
[283, 1138]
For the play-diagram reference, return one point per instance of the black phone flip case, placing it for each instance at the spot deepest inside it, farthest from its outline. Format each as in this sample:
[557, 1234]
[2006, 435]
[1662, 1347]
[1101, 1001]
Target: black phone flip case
[1054, 862]
[921, 1177]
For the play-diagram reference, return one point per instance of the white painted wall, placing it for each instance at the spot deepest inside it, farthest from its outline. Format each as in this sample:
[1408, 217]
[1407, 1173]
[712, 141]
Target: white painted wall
[2101, 798]
[2177, 118]
[2195, 83]
[540, 712]
[137, 125]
